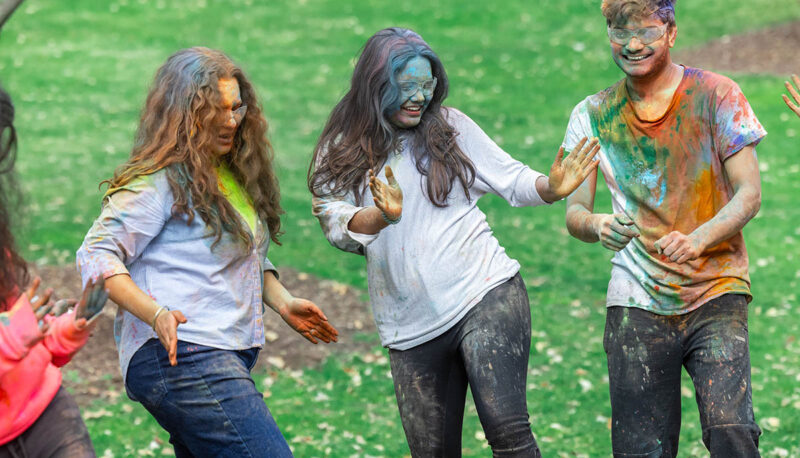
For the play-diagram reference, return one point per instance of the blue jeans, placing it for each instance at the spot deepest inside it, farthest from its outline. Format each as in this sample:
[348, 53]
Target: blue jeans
[208, 403]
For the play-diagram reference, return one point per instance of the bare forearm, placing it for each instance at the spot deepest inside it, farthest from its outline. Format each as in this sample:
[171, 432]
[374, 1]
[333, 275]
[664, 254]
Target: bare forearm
[731, 218]
[367, 221]
[124, 292]
[274, 294]
[581, 223]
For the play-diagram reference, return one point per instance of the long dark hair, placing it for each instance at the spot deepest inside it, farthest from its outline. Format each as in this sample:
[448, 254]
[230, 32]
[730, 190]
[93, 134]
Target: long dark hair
[13, 269]
[174, 134]
[358, 135]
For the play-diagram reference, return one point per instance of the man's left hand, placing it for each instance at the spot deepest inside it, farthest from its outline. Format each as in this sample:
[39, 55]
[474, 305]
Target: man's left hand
[679, 247]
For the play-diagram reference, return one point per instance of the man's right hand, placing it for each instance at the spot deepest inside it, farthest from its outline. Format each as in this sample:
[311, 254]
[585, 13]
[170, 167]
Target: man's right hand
[615, 231]
[167, 330]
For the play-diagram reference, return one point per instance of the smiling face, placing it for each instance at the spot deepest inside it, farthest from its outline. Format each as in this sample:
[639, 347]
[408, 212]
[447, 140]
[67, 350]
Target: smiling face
[415, 94]
[637, 59]
[227, 125]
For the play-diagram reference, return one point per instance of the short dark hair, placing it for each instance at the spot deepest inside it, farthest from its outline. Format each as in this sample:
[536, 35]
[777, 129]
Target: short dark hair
[618, 12]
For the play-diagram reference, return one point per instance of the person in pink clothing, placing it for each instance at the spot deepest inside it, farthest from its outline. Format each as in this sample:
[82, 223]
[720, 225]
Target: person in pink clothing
[37, 416]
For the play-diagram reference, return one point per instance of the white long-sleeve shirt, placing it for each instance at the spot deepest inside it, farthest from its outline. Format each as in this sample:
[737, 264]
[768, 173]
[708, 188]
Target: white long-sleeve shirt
[426, 272]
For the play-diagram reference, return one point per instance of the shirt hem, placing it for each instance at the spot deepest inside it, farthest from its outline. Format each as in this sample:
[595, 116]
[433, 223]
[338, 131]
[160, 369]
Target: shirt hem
[430, 335]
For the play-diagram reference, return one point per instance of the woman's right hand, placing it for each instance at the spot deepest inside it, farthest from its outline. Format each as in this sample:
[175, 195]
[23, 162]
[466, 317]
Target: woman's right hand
[167, 330]
[388, 197]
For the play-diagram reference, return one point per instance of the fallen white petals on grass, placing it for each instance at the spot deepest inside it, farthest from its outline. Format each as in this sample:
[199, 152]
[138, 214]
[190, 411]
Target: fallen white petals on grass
[585, 385]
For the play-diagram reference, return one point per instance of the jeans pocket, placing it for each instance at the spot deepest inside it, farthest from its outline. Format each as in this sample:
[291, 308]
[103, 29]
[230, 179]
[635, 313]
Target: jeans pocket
[144, 382]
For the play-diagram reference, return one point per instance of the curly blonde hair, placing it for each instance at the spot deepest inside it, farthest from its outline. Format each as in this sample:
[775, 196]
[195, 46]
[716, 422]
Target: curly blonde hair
[175, 134]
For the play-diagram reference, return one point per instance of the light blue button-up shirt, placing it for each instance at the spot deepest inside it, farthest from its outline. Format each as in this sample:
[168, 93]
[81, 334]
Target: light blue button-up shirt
[218, 290]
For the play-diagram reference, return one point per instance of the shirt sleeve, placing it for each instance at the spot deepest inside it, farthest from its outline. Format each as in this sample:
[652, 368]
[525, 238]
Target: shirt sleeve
[64, 339]
[579, 127]
[17, 326]
[496, 171]
[735, 123]
[131, 217]
[334, 214]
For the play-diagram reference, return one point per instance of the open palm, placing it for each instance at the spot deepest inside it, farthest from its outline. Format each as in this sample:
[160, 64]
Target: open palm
[568, 173]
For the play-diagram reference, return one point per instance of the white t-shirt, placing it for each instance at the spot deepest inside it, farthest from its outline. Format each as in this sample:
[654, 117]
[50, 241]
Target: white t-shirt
[426, 272]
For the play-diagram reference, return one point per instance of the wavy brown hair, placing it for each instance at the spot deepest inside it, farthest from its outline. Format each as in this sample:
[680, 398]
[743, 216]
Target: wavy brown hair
[177, 129]
[358, 135]
[13, 269]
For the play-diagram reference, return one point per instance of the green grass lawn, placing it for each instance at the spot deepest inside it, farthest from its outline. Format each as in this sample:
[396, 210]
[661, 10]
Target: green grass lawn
[79, 72]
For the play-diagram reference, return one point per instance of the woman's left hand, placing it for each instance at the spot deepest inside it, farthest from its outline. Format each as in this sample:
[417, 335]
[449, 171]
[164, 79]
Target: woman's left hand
[308, 320]
[568, 173]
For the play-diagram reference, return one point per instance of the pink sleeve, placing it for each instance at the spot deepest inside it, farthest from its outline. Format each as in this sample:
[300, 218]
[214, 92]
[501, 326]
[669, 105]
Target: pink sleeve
[17, 326]
[64, 339]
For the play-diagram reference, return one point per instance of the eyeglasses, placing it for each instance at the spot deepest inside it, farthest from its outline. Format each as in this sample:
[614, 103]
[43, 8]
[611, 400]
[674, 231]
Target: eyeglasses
[238, 114]
[409, 88]
[646, 35]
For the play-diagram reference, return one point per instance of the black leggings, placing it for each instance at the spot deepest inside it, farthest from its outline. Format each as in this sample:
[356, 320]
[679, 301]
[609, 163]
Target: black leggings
[487, 350]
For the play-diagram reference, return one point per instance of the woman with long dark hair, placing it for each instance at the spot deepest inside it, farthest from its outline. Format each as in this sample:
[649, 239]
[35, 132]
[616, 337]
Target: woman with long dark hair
[182, 240]
[449, 303]
[38, 417]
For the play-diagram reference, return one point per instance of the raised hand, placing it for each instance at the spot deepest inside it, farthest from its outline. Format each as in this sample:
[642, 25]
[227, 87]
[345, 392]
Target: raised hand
[616, 231]
[388, 197]
[307, 319]
[92, 302]
[793, 90]
[566, 174]
[679, 247]
[40, 306]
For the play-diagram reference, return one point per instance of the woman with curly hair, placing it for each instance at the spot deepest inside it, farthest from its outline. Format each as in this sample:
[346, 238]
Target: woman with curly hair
[38, 416]
[182, 242]
[449, 303]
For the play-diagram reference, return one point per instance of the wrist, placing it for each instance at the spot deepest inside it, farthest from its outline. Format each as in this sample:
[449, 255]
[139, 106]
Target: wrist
[161, 310]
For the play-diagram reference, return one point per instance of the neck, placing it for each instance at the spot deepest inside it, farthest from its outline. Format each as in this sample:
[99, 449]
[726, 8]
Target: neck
[644, 87]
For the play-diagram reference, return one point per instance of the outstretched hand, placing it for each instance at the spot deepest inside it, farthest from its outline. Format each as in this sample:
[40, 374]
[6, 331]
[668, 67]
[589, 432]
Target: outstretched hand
[793, 90]
[388, 197]
[92, 302]
[307, 319]
[566, 174]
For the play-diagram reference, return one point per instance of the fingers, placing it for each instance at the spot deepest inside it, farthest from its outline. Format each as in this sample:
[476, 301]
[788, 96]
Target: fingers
[791, 105]
[173, 348]
[390, 177]
[666, 245]
[624, 226]
[179, 316]
[31, 291]
[587, 160]
[39, 301]
[42, 311]
[61, 306]
[559, 156]
[329, 331]
[792, 90]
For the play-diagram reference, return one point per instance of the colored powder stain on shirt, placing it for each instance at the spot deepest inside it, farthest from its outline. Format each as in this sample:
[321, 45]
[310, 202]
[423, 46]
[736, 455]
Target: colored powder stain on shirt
[236, 195]
[668, 175]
